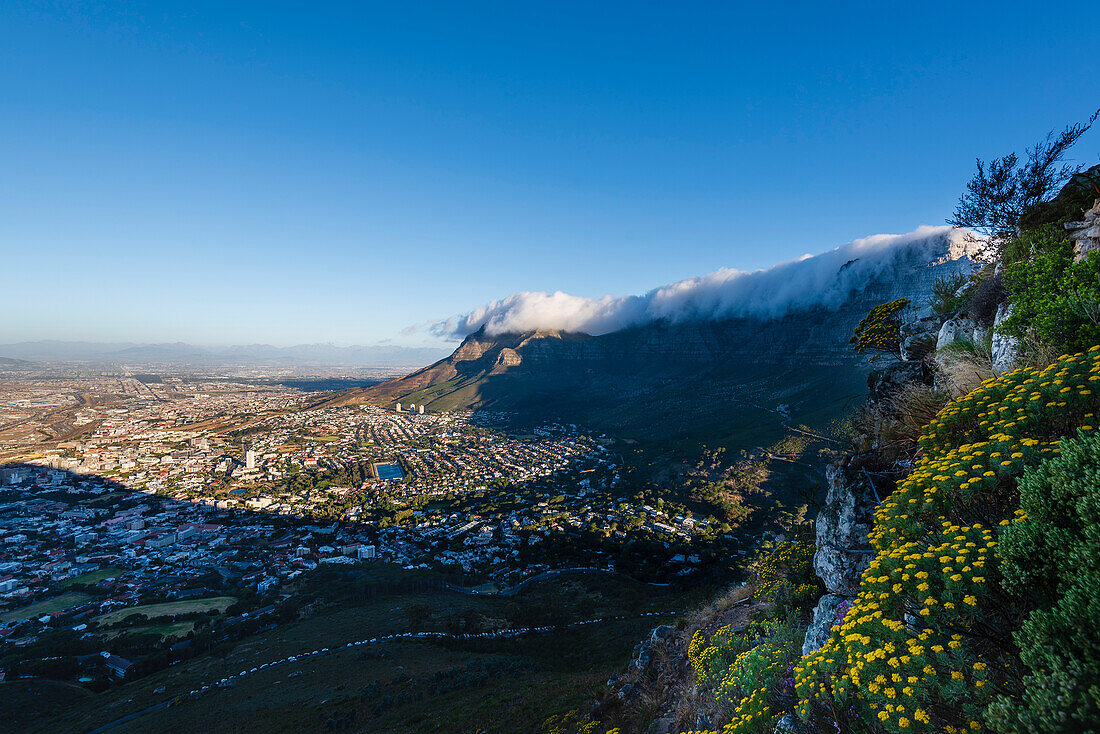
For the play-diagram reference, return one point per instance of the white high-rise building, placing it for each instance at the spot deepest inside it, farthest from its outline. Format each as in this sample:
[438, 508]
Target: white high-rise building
[250, 459]
[421, 409]
[398, 408]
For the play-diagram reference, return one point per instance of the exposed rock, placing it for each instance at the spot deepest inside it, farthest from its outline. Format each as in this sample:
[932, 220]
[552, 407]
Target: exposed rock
[1086, 233]
[825, 616]
[961, 329]
[1005, 350]
[661, 632]
[843, 551]
[884, 383]
[789, 725]
[508, 358]
[918, 338]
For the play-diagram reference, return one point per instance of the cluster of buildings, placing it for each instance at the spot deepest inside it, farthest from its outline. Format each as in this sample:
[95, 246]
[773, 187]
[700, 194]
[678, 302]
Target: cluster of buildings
[59, 528]
[141, 487]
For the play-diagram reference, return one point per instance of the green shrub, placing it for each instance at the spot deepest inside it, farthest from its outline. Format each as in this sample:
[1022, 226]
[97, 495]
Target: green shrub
[786, 578]
[1056, 301]
[750, 671]
[944, 288]
[928, 643]
[1053, 555]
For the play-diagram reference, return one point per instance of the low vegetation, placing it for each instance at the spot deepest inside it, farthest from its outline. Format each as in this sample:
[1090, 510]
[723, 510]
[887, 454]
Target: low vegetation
[749, 671]
[930, 642]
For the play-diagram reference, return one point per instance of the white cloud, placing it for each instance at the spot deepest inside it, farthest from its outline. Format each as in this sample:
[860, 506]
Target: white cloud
[812, 281]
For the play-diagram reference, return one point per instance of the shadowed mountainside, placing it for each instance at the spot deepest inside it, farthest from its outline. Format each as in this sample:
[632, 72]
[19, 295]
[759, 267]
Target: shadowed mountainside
[732, 382]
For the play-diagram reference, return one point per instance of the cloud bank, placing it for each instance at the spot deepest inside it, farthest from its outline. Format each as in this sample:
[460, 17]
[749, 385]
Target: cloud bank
[811, 281]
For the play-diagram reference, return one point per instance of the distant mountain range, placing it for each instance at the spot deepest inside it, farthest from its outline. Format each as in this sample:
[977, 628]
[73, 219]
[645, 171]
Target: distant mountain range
[719, 381]
[187, 354]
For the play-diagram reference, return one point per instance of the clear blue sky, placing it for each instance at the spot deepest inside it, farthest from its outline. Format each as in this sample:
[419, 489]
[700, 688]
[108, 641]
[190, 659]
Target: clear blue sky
[221, 172]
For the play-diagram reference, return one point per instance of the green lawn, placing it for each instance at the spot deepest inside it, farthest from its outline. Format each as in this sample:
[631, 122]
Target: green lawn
[94, 576]
[167, 609]
[47, 606]
[169, 630]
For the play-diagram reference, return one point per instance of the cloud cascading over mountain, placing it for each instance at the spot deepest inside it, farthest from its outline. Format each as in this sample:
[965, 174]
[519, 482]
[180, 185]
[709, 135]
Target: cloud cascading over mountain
[812, 281]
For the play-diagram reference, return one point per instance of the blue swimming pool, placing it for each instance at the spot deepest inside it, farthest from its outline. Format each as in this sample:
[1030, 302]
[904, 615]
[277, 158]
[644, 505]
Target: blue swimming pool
[389, 471]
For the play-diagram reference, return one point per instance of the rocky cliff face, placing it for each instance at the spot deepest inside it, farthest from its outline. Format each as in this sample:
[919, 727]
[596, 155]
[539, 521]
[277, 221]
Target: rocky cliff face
[843, 549]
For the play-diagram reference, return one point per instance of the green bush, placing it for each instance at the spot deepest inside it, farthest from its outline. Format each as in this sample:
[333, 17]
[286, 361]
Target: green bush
[750, 671]
[1053, 555]
[786, 578]
[1056, 301]
[944, 300]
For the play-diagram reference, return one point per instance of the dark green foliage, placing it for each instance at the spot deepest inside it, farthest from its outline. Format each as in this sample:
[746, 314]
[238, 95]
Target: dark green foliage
[944, 289]
[1056, 300]
[1076, 197]
[987, 295]
[1049, 238]
[1053, 555]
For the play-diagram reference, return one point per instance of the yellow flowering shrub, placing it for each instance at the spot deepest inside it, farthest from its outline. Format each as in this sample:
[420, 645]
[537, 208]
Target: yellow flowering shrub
[787, 574]
[927, 644]
[880, 330]
[750, 670]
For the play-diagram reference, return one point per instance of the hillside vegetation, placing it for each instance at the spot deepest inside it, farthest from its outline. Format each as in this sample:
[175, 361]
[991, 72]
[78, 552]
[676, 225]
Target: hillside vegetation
[978, 608]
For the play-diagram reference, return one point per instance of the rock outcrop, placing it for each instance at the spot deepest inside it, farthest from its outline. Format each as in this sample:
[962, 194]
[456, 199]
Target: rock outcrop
[884, 383]
[918, 337]
[961, 329]
[1005, 349]
[843, 551]
[829, 611]
[1085, 234]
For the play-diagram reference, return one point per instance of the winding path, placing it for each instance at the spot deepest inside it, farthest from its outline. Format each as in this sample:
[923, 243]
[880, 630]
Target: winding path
[503, 634]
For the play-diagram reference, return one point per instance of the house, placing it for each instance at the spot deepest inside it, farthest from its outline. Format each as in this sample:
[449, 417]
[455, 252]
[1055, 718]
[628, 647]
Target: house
[115, 664]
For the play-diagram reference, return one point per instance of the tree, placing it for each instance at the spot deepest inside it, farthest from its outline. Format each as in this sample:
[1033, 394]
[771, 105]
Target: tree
[880, 330]
[1004, 189]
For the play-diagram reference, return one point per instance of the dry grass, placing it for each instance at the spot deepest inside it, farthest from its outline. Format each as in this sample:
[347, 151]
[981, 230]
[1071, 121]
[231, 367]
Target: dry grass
[705, 615]
[962, 367]
[887, 432]
[912, 407]
[1034, 352]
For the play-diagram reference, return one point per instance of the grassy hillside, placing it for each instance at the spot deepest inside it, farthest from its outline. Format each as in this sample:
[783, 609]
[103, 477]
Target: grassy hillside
[489, 685]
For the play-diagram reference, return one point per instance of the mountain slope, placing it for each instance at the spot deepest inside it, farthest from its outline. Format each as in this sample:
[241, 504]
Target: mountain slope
[726, 381]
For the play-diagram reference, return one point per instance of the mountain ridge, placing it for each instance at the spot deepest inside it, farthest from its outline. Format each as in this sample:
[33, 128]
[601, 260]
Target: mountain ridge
[674, 378]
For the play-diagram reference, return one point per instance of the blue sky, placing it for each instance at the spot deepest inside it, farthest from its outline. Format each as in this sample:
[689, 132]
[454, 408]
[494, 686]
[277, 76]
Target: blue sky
[303, 172]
